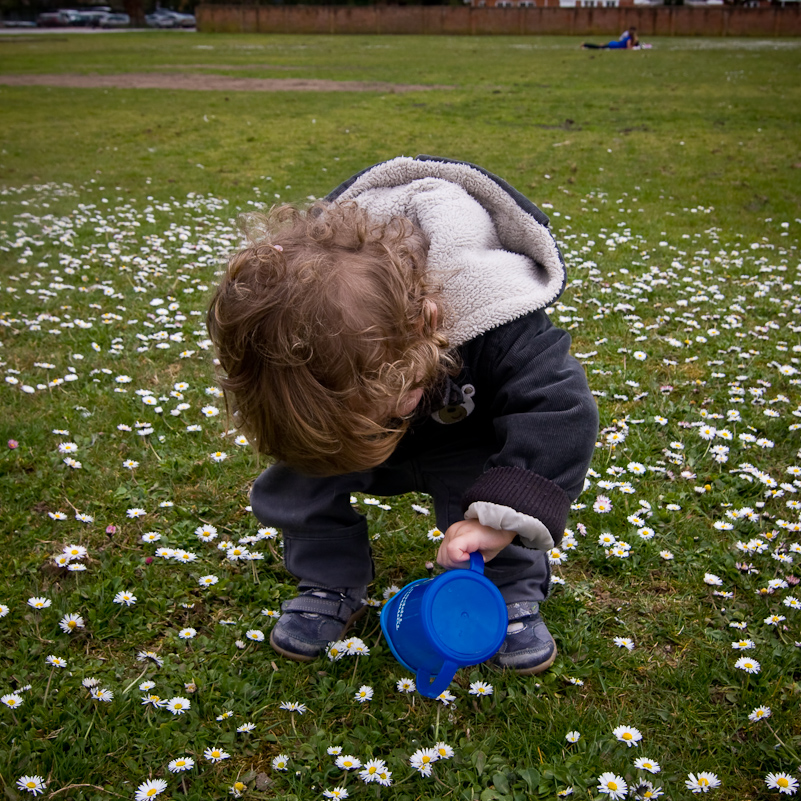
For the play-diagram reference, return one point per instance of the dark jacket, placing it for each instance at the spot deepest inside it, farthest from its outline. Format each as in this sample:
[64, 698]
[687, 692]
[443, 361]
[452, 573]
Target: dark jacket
[519, 391]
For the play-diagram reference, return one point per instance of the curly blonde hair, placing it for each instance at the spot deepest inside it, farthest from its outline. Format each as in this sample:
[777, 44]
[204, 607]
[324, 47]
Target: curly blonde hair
[322, 325]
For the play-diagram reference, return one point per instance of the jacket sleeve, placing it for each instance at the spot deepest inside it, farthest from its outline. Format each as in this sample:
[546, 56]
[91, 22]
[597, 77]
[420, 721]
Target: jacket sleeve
[545, 422]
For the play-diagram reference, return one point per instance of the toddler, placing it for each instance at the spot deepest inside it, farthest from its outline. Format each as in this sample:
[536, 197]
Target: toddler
[390, 339]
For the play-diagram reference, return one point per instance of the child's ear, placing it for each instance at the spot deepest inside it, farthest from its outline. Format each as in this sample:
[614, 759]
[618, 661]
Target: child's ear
[430, 316]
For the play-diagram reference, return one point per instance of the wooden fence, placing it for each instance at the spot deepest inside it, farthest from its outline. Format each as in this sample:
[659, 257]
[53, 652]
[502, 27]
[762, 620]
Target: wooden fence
[455, 20]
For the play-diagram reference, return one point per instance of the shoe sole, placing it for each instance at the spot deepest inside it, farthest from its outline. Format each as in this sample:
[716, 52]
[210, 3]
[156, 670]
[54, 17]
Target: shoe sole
[295, 657]
[541, 668]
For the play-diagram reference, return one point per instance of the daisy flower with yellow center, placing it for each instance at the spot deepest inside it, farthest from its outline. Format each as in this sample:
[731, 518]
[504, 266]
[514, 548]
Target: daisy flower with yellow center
[281, 762]
[748, 665]
[178, 705]
[364, 693]
[33, 784]
[293, 706]
[760, 713]
[628, 735]
[153, 700]
[613, 786]
[181, 764]
[150, 789]
[702, 783]
[372, 770]
[71, 623]
[444, 751]
[347, 762]
[215, 754]
[12, 700]
[782, 782]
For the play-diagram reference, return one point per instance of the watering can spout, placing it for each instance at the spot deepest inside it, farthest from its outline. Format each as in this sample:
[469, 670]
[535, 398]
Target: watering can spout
[433, 687]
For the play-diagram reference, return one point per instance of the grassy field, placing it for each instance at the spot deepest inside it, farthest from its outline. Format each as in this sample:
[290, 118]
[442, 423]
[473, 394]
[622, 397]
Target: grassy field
[672, 181]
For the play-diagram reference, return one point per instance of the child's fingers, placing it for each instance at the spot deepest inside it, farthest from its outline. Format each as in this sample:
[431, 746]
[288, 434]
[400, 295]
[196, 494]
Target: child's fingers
[451, 554]
[467, 536]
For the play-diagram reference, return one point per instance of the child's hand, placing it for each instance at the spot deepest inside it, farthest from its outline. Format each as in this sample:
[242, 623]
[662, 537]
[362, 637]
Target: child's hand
[467, 536]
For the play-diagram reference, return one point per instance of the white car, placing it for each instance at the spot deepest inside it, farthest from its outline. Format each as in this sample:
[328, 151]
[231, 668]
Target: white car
[115, 21]
[164, 18]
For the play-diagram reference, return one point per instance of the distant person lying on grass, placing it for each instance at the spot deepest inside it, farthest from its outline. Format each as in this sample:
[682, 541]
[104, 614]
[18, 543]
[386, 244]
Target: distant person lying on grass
[628, 41]
[394, 338]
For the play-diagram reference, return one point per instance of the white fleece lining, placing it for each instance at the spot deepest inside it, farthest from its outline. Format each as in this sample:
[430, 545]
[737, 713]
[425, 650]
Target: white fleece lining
[493, 260]
[504, 518]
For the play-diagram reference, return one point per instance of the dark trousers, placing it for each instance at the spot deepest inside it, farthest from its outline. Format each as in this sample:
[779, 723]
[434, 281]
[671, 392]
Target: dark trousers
[326, 542]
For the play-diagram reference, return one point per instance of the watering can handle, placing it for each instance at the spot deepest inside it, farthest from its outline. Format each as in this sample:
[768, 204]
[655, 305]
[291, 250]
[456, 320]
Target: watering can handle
[476, 564]
[445, 676]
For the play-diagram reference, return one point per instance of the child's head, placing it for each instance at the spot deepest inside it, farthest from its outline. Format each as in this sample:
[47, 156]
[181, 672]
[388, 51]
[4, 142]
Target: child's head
[325, 325]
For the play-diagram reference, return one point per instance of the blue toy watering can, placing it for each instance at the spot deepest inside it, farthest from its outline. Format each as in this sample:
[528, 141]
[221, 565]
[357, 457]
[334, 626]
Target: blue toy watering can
[435, 626]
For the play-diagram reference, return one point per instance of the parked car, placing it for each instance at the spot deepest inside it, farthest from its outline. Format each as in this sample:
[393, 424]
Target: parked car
[159, 19]
[164, 18]
[96, 17]
[92, 17]
[115, 21]
[58, 19]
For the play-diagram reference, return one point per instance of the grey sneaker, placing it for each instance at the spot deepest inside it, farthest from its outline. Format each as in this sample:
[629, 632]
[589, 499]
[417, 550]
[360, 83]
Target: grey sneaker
[318, 616]
[528, 648]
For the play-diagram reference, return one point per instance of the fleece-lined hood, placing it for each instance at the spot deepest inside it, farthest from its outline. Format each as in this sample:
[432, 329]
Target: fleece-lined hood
[490, 248]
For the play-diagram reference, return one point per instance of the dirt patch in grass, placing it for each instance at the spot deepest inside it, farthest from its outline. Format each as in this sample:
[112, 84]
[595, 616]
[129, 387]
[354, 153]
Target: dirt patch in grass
[221, 83]
[229, 67]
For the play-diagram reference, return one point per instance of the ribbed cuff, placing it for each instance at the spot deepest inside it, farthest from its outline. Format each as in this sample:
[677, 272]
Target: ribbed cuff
[524, 492]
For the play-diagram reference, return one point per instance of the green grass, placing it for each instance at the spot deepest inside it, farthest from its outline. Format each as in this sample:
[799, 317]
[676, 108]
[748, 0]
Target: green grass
[523, 107]
[672, 179]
